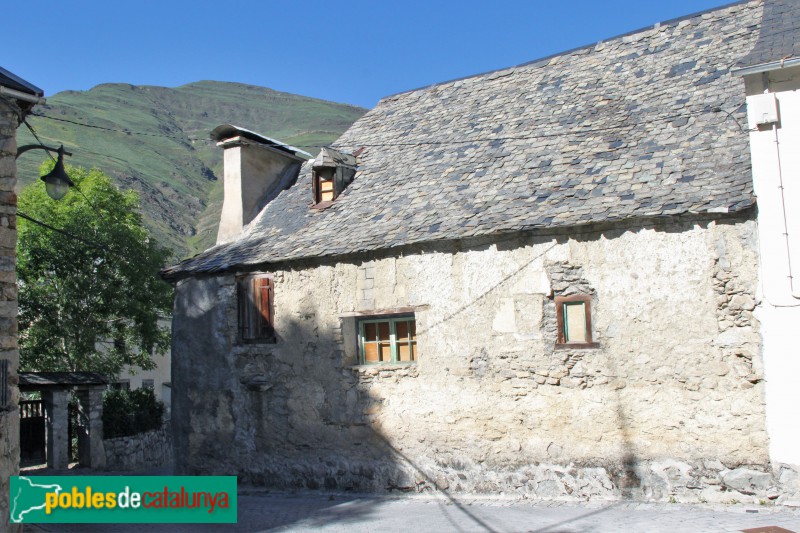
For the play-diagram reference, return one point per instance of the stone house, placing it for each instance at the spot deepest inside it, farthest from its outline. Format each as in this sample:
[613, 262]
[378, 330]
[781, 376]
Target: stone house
[539, 281]
[17, 97]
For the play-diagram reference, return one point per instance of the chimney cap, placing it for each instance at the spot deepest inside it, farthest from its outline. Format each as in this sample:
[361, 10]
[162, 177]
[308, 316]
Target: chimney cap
[228, 131]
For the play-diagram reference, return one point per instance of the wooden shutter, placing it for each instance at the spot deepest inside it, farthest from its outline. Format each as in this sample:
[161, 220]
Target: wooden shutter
[255, 308]
[262, 288]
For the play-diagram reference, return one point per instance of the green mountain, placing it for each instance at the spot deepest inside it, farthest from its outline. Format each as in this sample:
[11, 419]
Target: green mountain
[156, 140]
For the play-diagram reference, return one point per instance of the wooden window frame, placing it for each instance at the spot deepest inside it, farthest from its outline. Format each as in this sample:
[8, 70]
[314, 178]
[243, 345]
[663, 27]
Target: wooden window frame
[393, 342]
[315, 186]
[561, 339]
[255, 320]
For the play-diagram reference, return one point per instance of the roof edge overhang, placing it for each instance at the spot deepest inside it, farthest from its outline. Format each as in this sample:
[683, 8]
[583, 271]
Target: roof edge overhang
[15, 82]
[225, 132]
[21, 96]
[766, 67]
[243, 141]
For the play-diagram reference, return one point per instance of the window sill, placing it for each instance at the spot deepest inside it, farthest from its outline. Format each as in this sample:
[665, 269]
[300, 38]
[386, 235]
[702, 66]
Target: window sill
[383, 366]
[577, 345]
[322, 205]
[380, 370]
[248, 342]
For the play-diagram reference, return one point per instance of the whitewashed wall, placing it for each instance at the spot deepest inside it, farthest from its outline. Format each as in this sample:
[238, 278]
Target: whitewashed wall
[776, 165]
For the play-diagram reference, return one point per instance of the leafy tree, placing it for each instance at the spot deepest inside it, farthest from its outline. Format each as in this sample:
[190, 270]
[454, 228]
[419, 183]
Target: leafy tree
[130, 412]
[89, 296]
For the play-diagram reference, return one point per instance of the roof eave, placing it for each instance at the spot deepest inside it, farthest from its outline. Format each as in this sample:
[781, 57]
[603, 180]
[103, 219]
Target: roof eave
[766, 67]
[224, 132]
[242, 141]
[183, 270]
[22, 85]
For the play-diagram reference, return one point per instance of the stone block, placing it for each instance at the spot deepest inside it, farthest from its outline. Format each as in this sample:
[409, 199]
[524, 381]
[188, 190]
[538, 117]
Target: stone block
[505, 317]
[747, 481]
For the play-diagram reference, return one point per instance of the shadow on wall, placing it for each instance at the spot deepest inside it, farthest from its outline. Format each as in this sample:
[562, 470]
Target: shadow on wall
[295, 415]
[292, 414]
[285, 415]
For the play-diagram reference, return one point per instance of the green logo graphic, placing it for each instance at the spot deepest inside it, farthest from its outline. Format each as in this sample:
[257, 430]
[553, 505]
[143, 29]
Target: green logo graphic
[123, 499]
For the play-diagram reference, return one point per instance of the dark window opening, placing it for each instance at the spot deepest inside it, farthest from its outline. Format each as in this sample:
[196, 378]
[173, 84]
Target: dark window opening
[123, 384]
[256, 316]
[5, 395]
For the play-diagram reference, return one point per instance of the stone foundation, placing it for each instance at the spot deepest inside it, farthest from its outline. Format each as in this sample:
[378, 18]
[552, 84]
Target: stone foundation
[668, 480]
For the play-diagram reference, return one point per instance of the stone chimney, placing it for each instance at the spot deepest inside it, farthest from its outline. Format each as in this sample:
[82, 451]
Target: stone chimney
[257, 169]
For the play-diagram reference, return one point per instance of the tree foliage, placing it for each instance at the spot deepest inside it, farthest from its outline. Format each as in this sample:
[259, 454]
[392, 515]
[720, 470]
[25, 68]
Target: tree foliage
[90, 300]
[130, 412]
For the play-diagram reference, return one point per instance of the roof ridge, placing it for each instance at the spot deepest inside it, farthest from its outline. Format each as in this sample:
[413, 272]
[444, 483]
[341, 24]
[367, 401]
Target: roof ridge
[576, 49]
[695, 164]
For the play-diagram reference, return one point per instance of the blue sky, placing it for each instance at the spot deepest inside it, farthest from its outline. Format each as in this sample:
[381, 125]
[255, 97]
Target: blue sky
[349, 51]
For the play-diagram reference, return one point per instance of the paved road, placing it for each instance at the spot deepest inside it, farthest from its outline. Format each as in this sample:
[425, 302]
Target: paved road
[279, 512]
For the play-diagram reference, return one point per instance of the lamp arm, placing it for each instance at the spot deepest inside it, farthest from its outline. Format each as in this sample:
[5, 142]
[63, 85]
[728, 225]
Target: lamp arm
[22, 149]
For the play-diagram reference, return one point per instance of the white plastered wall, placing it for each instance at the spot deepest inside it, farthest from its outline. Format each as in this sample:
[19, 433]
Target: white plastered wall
[775, 150]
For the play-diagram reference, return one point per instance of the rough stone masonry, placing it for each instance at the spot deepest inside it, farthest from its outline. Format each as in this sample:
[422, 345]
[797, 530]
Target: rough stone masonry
[9, 352]
[670, 404]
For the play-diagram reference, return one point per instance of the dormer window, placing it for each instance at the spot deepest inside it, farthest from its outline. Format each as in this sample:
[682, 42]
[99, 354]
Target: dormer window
[323, 179]
[332, 172]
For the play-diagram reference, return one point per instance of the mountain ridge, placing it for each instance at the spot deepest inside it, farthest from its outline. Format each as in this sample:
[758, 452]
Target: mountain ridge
[156, 140]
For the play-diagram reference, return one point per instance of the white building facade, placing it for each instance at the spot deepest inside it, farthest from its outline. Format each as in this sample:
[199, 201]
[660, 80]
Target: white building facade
[773, 102]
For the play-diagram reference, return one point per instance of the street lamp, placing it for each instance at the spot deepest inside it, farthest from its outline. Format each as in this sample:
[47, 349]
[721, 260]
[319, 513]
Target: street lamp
[56, 182]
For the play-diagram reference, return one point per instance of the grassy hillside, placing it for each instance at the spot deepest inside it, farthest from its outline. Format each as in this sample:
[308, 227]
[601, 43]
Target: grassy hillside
[155, 140]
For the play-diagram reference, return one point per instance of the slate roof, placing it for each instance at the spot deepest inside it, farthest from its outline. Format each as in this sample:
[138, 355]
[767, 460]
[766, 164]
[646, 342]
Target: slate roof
[778, 39]
[644, 125]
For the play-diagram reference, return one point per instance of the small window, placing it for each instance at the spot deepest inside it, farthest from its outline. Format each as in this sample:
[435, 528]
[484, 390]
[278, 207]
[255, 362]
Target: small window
[323, 181]
[387, 340]
[148, 384]
[574, 321]
[256, 317]
[123, 384]
[332, 172]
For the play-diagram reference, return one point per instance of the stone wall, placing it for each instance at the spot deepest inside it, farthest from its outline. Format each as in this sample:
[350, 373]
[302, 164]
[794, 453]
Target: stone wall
[9, 413]
[670, 405]
[152, 449]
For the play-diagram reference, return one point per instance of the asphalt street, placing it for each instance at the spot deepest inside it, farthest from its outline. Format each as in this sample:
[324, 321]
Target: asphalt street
[261, 511]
